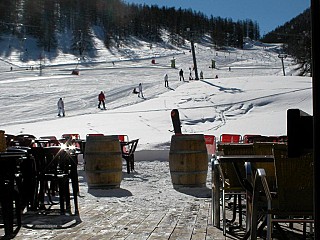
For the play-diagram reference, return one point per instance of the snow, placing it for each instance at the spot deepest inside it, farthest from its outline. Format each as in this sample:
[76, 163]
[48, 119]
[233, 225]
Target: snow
[249, 98]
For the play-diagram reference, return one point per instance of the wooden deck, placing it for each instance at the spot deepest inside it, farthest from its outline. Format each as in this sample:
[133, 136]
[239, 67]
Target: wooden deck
[145, 207]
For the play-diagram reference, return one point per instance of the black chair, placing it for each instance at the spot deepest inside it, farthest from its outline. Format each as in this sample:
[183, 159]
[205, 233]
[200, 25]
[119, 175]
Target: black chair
[9, 184]
[128, 149]
[25, 140]
[27, 181]
[59, 166]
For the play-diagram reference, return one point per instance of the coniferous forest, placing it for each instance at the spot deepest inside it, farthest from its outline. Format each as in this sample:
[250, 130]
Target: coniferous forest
[45, 20]
[48, 20]
[296, 38]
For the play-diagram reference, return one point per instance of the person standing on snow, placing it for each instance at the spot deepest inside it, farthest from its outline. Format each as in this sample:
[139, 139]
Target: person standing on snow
[201, 75]
[61, 108]
[102, 99]
[181, 74]
[190, 75]
[166, 82]
[140, 91]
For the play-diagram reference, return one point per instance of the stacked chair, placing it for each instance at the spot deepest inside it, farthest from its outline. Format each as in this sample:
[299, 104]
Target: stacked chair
[46, 172]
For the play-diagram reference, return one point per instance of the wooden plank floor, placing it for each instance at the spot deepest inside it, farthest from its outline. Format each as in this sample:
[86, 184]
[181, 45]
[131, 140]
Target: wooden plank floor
[145, 207]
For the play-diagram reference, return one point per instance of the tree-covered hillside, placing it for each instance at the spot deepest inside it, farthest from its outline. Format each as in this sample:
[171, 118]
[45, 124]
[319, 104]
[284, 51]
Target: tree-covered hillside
[296, 38]
[47, 20]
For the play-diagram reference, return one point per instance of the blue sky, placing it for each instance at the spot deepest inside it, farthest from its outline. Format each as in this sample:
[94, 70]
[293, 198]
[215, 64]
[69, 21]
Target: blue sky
[268, 14]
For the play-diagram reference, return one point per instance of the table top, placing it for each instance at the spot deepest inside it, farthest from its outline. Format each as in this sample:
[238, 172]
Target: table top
[11, 154]
[246, 158]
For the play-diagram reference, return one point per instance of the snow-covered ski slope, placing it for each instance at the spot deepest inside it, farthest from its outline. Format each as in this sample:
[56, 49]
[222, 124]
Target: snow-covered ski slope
[250, 95]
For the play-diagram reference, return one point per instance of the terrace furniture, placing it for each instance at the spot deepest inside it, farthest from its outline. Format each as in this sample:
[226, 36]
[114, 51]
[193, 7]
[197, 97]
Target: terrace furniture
[233, 169]
[291, 201]
[24, 140]
[72, 140]
[59, 166]
[227, 181]
[230, 138]
[128, 149]
[10, 198]
[47, 171]
[210, 141]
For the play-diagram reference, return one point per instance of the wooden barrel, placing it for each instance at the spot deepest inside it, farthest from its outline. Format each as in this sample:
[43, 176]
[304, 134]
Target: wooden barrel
[103, 162]
[188, 160]
[3, 145]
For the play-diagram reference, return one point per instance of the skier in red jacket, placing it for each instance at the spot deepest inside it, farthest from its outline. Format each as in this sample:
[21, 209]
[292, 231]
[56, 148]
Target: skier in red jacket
[101, 99]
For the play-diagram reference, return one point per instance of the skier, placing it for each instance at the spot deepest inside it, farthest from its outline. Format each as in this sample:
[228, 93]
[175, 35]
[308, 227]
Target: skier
[190, 75]
[201, 75]
[61, 108]
[101, 99]
[166, 82]
[181, 75]
[140, 91]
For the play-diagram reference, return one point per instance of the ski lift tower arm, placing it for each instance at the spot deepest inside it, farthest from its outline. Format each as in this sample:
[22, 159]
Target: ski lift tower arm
[282, 56]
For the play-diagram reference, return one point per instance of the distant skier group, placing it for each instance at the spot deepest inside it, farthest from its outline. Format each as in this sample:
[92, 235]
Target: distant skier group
[101, 103]
[181, 77]
[102, 97]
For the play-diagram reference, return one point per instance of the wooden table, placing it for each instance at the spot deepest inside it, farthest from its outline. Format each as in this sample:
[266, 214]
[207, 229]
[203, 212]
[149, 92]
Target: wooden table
[216, 191]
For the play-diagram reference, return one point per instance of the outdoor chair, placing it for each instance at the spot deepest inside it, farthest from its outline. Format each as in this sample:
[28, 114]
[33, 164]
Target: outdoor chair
[9, 139]
[24, 140]
[231, 185]
[230, 138]
[72, 140]
[49, 137]
[210, 141]
[27, 181]
[248, 138]
[292, 200]
[128, 149]
[70, 136]
[57, 167]
[264, 148]
[10, 188]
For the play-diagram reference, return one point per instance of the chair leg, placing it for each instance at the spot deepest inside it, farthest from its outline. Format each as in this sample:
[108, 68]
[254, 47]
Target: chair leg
[128, 165]
[41, 194]
[75, 190]
[234, 209]
[132, 162]
[236, 202]
[17, 203]
[224, 220]
[240, 210]
[254, 221]
[67, 195]
[7, 212]
[61, 195]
